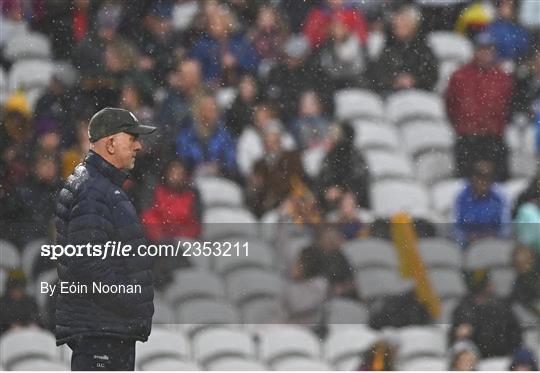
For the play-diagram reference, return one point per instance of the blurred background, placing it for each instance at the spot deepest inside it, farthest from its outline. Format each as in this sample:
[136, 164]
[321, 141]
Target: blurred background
[381, 158]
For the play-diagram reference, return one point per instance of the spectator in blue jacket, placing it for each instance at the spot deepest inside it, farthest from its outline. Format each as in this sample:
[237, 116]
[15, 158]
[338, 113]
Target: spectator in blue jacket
[204, 144]
[222, 52]
[481, 209]
[512, 40]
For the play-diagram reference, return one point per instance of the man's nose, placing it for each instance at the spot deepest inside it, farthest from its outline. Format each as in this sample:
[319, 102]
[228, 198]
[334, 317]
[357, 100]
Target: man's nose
[137, 145]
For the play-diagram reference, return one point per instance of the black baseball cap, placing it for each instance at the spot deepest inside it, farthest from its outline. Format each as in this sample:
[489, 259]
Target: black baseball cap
[109, 121]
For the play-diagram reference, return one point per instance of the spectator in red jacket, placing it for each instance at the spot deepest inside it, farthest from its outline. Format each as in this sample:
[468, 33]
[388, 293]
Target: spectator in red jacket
[478, 103]
[319, 19]
[176, 211]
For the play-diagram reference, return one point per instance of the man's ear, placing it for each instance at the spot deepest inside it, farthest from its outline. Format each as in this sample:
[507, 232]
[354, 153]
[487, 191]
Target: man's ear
[109, 145]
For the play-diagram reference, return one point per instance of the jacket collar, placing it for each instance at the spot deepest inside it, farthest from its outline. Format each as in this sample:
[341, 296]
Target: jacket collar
[105, 168]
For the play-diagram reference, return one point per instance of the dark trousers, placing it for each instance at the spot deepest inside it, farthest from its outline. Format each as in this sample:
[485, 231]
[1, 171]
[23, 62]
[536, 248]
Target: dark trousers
[102, 353]
[469, 149]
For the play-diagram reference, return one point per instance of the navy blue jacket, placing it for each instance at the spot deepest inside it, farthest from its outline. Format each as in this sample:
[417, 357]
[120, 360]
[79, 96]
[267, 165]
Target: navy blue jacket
[93, 208]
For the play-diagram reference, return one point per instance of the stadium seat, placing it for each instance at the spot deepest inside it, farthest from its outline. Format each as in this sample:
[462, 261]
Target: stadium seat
[3, 280]
[421, 341]
[408, 105]
[28, 45]
[345, 311]
[424, 135]
[440, 253]
[30, 74]
[521, 139]
[393, 196]
[40, 365]
[163, 344]
[300, 363]
[312, 160]
[443, 196]
[198, 314]
[434, 166]
[447, 45]
[375, 44]
[219, 222]
[194, 283]
[4, 87]
[385, 164]
[503, 280]
[259, 255]
[349, 364]
[447, 282]
[280, 341]
[374, 283]
[343, 343]
[489, 252]
[370, 252]
[249, 284]
[169, 364]
[263, 311]
[19, 344]
[358, 104]
[494, 364]
[513, 188]
[448, 307]
[9, 255]
[163, 312]
[216, 192]
[373, 135]
[425, 364]
[30, 255]
[522, 164]
[446, 69]
[215, 343]
[236, 364]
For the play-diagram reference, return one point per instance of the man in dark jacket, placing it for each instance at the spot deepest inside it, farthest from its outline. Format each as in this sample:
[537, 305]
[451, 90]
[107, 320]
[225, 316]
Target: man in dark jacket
[102, 328]
[406, 61]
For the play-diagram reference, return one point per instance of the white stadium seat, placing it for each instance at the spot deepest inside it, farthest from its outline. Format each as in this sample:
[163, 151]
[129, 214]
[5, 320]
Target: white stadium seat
[385, 164]
[301, 364]
[447, 282]
[405, 106]
[421, 136]
[440, 253]
[215, 343]
[490, 252]
[28, 45]
[169, 364]
[279, 341]
[425, 364]
[9, 255]
[393, 196]
[443, 197]
[434, 166]
[358, 103]
[421, 341]
[219, 192]
[236, 364]
[370, 134]
[347, 342]
[30, 74]
[376, 283]
[219, 222]
[345, 311]
[163, 344]
[190, 283]
[370, 252]
[19, 344]
[252, 283]
[448, 45]
[494, 364]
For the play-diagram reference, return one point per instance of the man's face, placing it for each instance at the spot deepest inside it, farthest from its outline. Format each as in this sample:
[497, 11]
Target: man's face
[485, 56]
[123, 148]
[482, 178]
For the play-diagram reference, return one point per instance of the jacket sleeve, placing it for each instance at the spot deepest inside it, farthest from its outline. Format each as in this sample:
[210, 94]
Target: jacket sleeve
[91, 222]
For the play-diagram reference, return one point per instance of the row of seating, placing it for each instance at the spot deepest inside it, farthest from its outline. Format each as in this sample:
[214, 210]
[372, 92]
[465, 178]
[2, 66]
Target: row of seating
[277, 347]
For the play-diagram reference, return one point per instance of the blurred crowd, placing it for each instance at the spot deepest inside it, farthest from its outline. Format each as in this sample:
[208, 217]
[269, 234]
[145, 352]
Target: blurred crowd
[243, 89]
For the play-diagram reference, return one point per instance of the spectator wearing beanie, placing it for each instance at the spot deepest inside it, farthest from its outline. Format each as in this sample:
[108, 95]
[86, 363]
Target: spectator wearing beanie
[18, 308]
[523, 360]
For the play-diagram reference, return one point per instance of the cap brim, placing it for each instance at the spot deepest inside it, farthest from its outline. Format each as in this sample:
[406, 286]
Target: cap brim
[141, 129]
